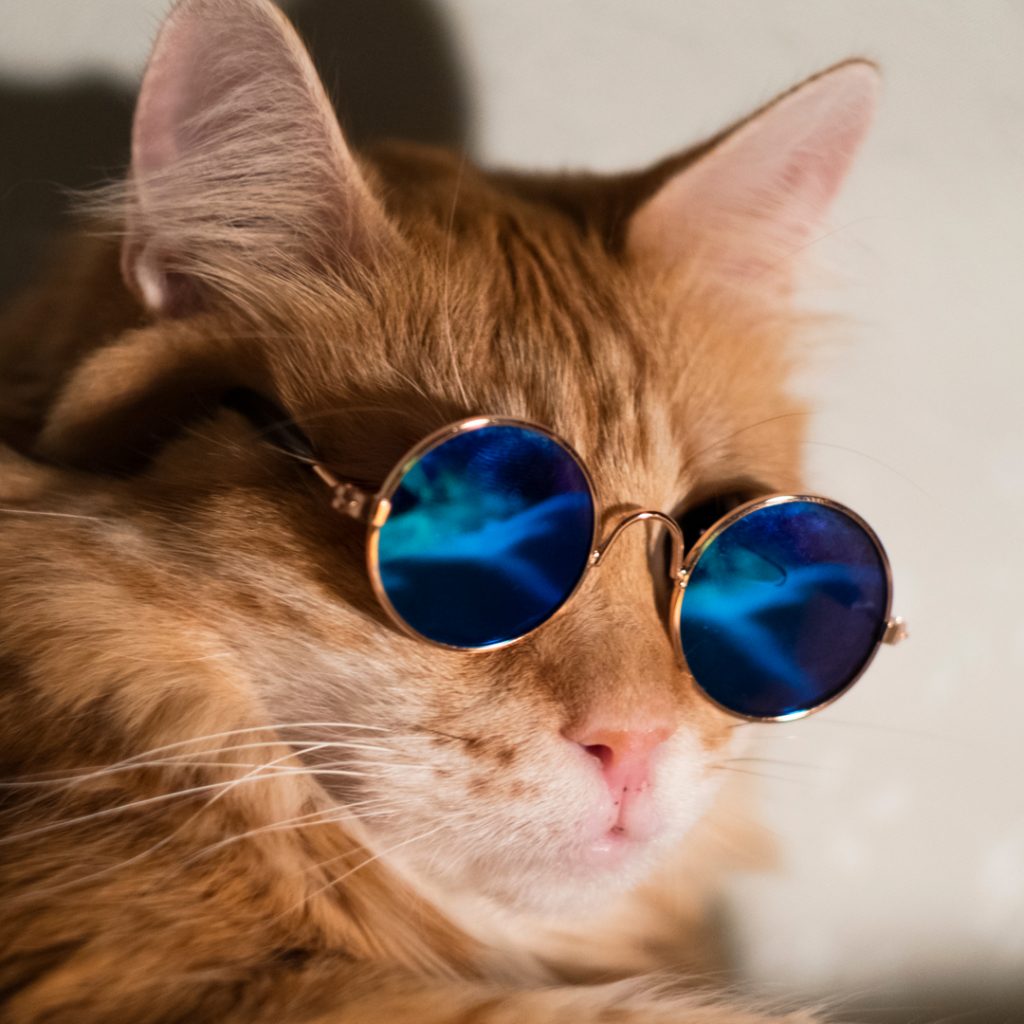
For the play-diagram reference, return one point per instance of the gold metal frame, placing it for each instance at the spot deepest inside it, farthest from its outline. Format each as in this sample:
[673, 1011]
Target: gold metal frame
[375, 509]
[893, 631]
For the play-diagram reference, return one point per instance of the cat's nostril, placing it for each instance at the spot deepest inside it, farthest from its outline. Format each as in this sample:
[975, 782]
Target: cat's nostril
[623, 754]
[611, 745]
[603, 753]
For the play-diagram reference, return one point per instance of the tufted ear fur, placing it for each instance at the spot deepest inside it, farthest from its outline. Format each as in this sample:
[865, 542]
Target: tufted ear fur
[240, 180]
[755, 197]
[237, 161]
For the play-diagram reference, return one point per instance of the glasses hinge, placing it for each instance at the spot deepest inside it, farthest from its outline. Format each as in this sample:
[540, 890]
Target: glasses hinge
[895, 631]
[346, 498]
[350, 501]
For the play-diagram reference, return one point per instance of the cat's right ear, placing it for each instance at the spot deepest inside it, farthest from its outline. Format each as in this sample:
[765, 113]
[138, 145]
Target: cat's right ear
[238, 162]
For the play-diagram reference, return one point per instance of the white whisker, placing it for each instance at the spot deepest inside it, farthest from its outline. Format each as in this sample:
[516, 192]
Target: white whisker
[255, 775]
[185, 760]
[324, 816]
[224, 788]
[52, 515]
[269, 727]
[362, 864]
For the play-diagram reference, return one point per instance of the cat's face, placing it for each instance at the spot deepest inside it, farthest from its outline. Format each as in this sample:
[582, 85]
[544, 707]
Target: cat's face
[562, 765]
[472, 761]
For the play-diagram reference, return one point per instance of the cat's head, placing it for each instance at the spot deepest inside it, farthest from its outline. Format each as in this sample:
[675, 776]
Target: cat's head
[645, 318]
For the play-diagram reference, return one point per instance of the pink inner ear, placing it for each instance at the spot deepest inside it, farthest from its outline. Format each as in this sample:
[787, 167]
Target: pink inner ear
[758, 195]
[210, 61]
[163, 103]
[237, 155]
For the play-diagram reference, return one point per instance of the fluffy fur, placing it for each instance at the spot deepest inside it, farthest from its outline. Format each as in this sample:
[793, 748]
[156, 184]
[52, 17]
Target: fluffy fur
[233, 792]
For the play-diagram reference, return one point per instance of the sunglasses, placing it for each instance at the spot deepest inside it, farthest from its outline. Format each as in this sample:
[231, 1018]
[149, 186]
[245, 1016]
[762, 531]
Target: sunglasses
[485, 530]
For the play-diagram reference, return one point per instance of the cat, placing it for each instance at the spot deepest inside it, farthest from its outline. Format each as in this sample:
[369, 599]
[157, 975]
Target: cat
[233, 791]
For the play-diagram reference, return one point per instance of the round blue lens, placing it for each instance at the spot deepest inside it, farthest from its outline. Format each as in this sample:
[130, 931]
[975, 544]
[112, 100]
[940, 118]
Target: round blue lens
[783, 609]
[488, 534]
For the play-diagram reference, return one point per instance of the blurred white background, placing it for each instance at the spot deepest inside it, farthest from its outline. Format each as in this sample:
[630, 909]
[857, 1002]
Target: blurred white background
[900, 811]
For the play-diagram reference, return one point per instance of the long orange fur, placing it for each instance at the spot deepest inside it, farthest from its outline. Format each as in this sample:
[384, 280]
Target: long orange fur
[226, 779]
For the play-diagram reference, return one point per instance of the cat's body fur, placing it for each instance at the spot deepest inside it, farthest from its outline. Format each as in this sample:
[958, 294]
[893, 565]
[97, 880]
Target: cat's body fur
[175, 639]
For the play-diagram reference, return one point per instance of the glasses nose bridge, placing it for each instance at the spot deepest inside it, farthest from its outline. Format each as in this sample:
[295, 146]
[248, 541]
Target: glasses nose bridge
[640, 515]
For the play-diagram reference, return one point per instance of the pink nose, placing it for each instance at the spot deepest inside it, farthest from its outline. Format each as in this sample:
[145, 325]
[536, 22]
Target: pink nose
[624, 754]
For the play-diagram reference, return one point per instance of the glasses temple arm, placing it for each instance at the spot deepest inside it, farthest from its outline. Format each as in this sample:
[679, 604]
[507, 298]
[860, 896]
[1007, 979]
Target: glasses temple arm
[281, 431]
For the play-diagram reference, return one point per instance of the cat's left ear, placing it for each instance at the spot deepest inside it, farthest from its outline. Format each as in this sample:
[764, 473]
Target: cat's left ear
[755, 197]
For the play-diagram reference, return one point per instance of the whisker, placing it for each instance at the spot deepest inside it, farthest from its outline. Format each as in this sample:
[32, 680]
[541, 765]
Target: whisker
[224, 788]
[69, 781]
[732, 435]
[767, 760]
[53, 515]
[878, 462]
[893, 730]
[226, 785]
[446, 284]
[357, 774]
[324, 816]
[755, 774]
[362, 864]
[268, 727]
[88, 773]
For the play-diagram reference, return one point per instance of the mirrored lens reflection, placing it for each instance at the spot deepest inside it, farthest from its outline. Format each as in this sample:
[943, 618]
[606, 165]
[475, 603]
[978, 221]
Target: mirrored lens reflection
[783, 609]
[489, 533]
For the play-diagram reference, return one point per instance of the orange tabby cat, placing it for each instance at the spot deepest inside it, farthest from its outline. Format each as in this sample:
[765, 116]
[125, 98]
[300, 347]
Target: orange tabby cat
[234, 792]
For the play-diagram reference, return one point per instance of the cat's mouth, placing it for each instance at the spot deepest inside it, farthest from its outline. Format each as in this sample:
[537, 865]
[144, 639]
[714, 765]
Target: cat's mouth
[628, 825]
[610, 850]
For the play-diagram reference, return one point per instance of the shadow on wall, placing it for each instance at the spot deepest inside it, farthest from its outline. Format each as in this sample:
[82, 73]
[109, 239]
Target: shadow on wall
[391, 67]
